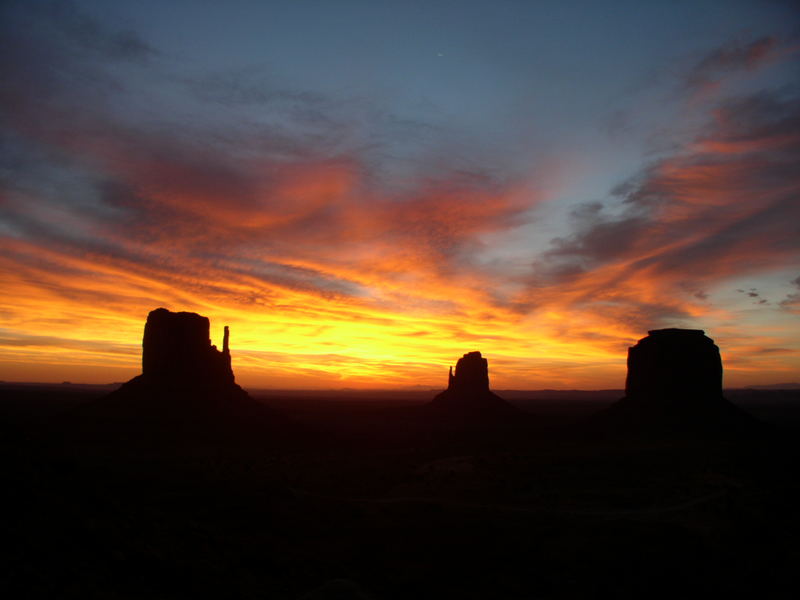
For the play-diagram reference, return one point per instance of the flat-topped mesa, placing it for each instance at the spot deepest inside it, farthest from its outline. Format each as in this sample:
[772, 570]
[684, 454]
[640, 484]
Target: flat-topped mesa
[674, 390]
[674, 364]
[472, 374]
[176, 349]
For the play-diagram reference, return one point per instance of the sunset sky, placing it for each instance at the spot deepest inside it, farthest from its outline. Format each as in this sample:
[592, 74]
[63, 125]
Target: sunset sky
[364, 191]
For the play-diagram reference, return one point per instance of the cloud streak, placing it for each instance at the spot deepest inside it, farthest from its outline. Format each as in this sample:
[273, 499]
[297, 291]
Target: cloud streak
[726, 207]
[283, 213]
[735, 56]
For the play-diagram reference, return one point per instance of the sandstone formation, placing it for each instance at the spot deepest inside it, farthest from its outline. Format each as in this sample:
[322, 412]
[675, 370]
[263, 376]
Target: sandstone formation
[675, 364]
[471, 376]
[674, 386]
[185, 400]
[468, 389]
[182, 372]
[177, 351]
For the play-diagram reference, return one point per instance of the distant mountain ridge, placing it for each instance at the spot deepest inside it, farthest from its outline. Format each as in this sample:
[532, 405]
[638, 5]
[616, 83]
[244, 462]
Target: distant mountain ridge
[774, 386]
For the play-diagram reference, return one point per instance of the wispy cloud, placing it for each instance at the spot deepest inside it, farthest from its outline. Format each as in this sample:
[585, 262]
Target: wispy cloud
[725, 207]
[735, 56]
[286, 213]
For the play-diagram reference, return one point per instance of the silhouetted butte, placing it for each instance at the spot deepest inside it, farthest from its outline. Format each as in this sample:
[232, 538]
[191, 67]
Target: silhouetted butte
[177, 351]
[179, 359]
[674, 365]
[187, 389]
[674, 385]
[468, 390]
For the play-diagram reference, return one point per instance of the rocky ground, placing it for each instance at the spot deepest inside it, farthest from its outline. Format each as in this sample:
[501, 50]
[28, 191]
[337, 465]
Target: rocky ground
[347, 497]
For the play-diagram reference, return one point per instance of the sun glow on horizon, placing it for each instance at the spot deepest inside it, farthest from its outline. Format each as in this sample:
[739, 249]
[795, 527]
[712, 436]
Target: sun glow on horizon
[357, 226]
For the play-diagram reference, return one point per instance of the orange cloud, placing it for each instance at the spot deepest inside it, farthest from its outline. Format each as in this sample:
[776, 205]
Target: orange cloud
[330, 276]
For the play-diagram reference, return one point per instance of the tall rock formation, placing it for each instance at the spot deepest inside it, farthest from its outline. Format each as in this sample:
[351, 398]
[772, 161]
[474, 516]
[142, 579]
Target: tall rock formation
[471, 376]
[468, 389]
[674, 386]
[182, 372]
[177, 351]
[675, 365]
[185, 400]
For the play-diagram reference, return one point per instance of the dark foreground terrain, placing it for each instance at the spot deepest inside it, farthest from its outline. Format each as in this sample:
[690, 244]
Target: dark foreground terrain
[370, 496]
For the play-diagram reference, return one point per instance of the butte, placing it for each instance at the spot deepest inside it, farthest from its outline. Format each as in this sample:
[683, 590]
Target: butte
[186, 394]
[468, 394]
[674, 387]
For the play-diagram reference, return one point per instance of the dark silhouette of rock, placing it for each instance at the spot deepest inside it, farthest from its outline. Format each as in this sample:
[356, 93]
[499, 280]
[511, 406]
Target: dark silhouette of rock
[177, 351]
[186, 395]
[674, 364]
[468, 389]
[179, 361]
[674, 386]
[471, 376]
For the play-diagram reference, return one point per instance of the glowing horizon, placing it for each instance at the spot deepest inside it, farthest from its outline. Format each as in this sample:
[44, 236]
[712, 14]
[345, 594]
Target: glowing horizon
[363, 221]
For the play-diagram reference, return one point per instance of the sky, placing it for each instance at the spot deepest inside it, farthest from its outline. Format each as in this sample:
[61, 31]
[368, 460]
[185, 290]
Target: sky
[365, 191]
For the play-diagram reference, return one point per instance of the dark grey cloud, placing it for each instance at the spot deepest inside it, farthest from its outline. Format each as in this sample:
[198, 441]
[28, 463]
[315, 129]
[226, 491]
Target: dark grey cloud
[727, 207]
[770, 236]
[116, 44]
[186, 195]
[735, 194]
[286, 276]
[755, 295]
[734, 56]
[51, 48]
[792, 301]
[764, 118]
[596, 241]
